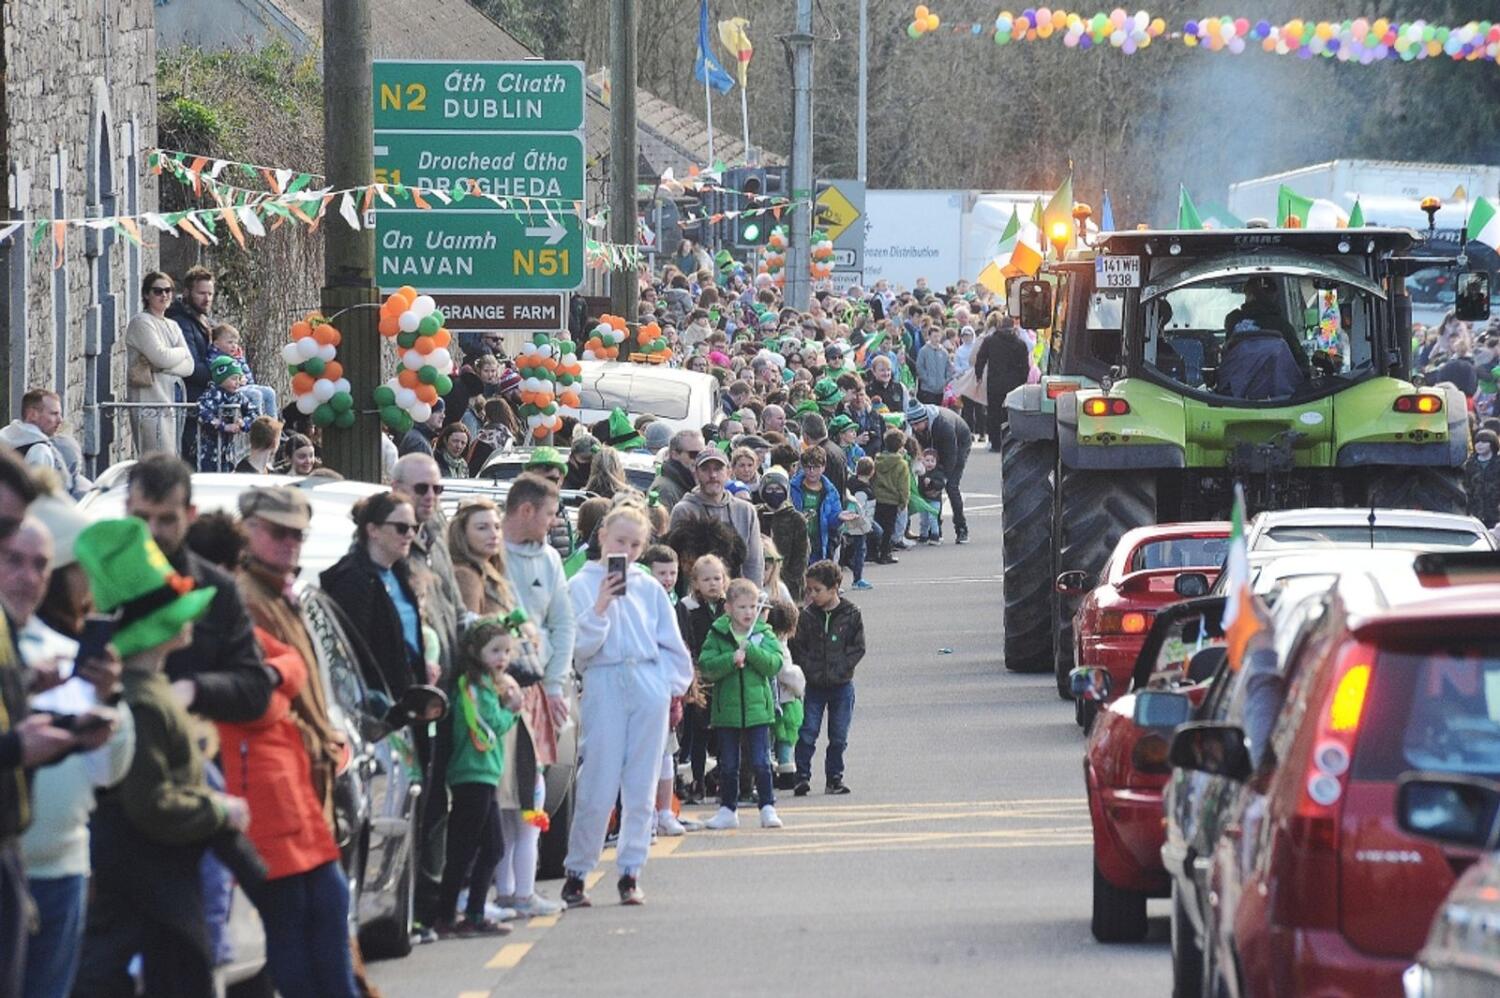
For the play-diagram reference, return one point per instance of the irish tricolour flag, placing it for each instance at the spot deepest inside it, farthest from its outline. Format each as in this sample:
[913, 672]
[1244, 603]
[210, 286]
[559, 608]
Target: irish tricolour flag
[1242, 617]
[1484, 222]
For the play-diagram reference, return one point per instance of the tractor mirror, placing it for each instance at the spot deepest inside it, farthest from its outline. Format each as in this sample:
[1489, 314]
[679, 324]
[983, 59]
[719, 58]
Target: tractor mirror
[1473, 301]
[1032, 304]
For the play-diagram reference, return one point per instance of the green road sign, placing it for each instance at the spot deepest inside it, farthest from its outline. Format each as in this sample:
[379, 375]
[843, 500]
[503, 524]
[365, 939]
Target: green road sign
[504, 164]
[479, 250]
[479, 96]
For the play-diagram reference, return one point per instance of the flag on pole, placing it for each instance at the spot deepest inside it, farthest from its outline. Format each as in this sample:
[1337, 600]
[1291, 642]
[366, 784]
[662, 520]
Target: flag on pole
[993, 274]
[707, 69]
[1484, 222]
[1187, 212]
[1026, 256]
[1289, 206]
[1242, 618]
[1106, 214]
[1059, 210]
[1356, 215]
[732, 35]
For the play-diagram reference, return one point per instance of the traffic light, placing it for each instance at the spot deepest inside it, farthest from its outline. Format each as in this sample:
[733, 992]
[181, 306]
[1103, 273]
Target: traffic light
[746, 230]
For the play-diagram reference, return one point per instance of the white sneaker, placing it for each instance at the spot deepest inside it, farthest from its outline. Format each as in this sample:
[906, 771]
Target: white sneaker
[667, 824]
[499, 912]
[724, 819]
[769, 818]
[537, 906]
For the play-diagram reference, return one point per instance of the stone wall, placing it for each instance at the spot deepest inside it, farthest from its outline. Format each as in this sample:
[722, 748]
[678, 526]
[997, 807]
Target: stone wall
[80, 92]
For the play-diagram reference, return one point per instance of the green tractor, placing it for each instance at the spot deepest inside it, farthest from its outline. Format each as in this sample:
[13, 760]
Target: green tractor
[1182, 362]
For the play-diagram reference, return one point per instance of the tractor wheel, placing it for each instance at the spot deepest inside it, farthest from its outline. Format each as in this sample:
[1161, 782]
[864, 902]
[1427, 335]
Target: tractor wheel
[1438, 490]
[1094, 509]
[1026, 494]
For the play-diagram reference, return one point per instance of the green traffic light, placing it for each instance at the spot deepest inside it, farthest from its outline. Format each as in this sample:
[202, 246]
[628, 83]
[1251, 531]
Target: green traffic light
[751, 232]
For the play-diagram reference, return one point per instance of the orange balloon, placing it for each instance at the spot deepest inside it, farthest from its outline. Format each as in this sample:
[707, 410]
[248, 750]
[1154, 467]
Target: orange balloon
[541, 431]
[427, 393]
[321, 335]
[393, 307]
[424, 345]
[301, 330]
[409, 379]
[333, 370]
[334, 336]
[442, 338]
[389, 326]
[302, 383]
[408, 292]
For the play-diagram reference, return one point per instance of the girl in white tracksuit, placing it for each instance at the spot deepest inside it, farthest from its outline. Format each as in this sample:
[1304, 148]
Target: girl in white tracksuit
[633, 662]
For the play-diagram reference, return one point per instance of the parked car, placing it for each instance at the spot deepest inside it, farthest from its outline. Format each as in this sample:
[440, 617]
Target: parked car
[1125, 760]
[1140, 577]
[502, 466]
[1389, 677]
[684, 400]
[1367, 528]
[1462, 955]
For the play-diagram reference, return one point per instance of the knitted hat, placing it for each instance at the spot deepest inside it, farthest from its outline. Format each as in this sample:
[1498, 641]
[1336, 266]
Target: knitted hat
[224, 367]
[916, 412]
[546, 457]
[840, 423]
[658, 434]
[776, 476]
[828, 393]
[129, 574]
[622, 434]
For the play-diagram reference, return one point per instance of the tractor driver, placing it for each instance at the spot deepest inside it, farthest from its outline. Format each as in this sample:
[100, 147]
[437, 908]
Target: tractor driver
[1261, 307]
[1259, 364]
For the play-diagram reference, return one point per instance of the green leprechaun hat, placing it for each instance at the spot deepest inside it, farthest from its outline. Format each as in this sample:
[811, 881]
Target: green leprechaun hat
[828, 393]
[547, 457]
[130, 576]
[622, 435]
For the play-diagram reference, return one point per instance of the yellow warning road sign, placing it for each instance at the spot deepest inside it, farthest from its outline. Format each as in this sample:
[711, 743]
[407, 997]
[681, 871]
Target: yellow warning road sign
[835, 213]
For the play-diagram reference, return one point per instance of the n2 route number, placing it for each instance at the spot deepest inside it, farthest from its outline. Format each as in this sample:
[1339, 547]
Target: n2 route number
[415, 94]
[1117, 272]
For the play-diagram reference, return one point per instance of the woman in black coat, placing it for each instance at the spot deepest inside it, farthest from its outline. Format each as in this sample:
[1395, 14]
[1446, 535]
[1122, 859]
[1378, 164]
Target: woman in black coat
[1008, 362]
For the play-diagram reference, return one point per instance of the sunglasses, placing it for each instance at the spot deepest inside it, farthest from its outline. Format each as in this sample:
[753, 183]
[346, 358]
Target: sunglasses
[161, 290]
[400, 527]
[422, 488]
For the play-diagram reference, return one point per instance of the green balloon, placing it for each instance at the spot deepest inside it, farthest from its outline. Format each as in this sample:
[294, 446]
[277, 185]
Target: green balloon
[427, 374]
[442, 320]
[406, 340]
[315, 366]
[567, 346]
[390, 414]
[344, 420]
[324, 415]
[429, 324]
[384, 395]
[344, 402]
[540, 339]
[444, 384]
[404, 423]
[550, 408]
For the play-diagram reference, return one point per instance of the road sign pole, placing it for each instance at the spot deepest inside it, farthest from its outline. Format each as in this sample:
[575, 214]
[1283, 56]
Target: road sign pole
[624, 284]
[799, 223]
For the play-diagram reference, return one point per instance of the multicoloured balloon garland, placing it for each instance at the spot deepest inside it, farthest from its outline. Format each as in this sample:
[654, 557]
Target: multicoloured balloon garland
[654, 348]
[549, 377]
[415, 323]
[605, 339]
[821, 264]
[1362, 39]
[319, 387]
[774, 264]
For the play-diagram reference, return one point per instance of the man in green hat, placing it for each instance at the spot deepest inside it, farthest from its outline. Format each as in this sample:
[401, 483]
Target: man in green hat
[621, 434]
[150, 832]
[827, 394]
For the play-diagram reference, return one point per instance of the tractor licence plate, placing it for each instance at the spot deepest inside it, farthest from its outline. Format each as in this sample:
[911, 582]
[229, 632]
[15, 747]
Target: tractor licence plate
[1117, 272]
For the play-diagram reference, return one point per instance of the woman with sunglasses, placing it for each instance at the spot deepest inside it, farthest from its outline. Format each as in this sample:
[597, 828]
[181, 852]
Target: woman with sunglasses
[372, 584]
[157, 358]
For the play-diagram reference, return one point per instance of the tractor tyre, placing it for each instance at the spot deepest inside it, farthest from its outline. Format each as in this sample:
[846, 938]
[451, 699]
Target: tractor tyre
[1094, 509]
[1438, 490]
[1026, 491]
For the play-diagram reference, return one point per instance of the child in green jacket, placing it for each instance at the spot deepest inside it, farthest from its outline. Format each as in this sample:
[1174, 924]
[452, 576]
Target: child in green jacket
[741, 657]
[484, 710]
[892, 487]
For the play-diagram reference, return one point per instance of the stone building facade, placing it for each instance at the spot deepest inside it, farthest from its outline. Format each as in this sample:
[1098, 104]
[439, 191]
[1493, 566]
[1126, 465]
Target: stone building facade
[79, 111]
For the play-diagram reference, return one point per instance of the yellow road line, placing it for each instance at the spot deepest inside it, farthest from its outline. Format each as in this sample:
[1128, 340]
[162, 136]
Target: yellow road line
[815, 849]
[664, 847]
[592, 879]
[820, 808]
[542, 921]
[474, 994]
[509, 955]
[907, 819]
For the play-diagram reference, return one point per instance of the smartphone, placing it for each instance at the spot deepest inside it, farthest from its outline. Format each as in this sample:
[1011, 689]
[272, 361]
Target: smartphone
[618, 565]
[97, 633]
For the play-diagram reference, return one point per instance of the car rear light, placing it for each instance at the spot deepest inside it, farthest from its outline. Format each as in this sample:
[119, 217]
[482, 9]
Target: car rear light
[1150, 754]
[1059, 388]
[1106, 407]
[1423, 404]
[1308, 878]
[1124, 622]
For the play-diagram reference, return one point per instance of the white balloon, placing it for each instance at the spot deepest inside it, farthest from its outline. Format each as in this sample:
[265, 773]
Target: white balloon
[290, 354]
[342, 385]
[323, 389]
[421, 412]
[412, 361]
[306, 404]
[528, 349]
[409, 321]
[545, 350]
[328, 351]
[441, 359]
[307, 348]
[423, 306]
[534, 420]
[589, 355]
[406, 397]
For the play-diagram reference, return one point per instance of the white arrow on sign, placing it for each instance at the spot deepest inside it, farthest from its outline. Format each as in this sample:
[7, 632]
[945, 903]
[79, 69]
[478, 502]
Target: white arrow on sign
[553, 230]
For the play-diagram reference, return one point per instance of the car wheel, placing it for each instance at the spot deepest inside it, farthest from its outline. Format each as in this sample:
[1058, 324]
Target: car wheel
[1187, 959]
[552, 850]
[389, 938]
[1119, 915]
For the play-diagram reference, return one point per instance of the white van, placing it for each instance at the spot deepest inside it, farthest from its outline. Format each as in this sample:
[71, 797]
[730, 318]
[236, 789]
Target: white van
[681, 399]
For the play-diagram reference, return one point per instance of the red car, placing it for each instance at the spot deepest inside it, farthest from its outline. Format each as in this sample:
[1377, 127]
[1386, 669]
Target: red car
[1315, 888]
[1139, 579]
[1125, 763]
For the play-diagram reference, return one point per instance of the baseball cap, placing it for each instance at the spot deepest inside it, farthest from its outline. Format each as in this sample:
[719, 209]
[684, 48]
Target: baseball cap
[709, 455]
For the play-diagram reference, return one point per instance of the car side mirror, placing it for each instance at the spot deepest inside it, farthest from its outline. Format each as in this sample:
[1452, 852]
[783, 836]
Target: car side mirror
[1190, 585]
[1473, 301]
[1458, 810]
[1204, 663]
[1074, 583]
[1212, 747]
[1090, 682]
[1161, 709]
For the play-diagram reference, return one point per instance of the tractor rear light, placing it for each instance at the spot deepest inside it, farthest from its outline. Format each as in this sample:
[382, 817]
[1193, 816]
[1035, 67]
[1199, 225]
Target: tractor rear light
[1423, 404]
[1056, 389]
[1106, 407]
[1124, 622]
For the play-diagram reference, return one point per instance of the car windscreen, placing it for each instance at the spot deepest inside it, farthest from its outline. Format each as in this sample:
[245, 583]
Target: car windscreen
[1433, 708]
[1359, 536]
[1180, 552]
[657, 396]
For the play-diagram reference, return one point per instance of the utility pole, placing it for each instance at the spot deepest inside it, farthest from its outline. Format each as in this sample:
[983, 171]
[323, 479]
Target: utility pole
[864, 91]
[624, 284]
[349, 254]
[798, 256]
